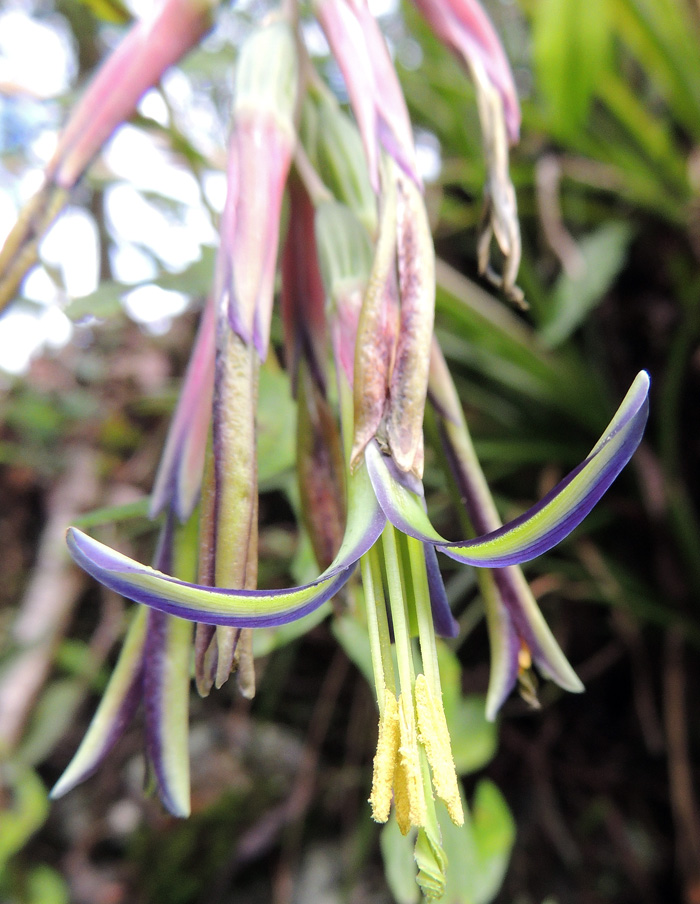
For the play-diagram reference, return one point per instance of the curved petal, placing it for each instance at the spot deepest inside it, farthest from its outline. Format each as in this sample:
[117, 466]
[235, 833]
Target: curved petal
[179, 477]
[446, 625]
[546, 523]
[238, 608]
[513, 617]
[166, 693]
[116, 708]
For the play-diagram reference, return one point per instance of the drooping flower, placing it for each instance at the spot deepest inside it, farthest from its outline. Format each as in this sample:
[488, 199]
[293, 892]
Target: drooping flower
[203, 451]
[153, 666]
[379, 493]
[381, 498]
[375, 94]
[466, 29]
[387, 531]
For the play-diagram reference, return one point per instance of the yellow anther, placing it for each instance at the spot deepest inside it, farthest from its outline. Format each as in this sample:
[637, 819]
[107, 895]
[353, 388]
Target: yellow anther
[385, 760]
[524, 659]
[408, 780]
[435, 738]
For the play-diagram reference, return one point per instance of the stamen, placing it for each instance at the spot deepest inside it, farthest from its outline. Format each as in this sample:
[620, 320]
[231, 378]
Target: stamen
[408, 781]
[435, 738]
[385, 760]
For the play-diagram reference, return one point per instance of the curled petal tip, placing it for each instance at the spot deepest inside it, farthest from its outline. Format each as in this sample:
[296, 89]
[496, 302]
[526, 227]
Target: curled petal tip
[546, 523]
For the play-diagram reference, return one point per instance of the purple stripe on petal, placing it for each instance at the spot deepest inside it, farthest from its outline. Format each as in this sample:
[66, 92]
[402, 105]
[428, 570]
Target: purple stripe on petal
[574, 516]
[121, 719]
[166, 700]
[518, 622]
[446, 624]
[156, 651]
[505, 645]
[116, 709]
[120, 574]
[547, 522]
[403, 478]
[179, 474]
[263, 620]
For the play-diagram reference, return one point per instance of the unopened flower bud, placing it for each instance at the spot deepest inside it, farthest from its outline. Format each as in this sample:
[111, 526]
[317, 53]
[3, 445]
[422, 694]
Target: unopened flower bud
[373, 86]
[260, 154]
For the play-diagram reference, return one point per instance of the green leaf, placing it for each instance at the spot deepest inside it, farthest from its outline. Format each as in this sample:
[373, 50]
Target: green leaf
[399, 865]
[25, 814]
[108, 10]
[52, 714]
[353, 638]
[112, 514]
[104, 303]
[276, 425]
[494, 834]
[267, 640]
[572, 46]
[663, 34]
[603, 254]
[46, 886]
[478, 852]
[195, 280]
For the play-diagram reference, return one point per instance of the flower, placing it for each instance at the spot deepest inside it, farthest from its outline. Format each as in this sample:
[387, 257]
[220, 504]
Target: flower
[387, 520]
[373, 86]
[154, 665]
[387, 531]
[466, 29]
[202, 450]
[378, 493]
[518, 633]
[464, 26]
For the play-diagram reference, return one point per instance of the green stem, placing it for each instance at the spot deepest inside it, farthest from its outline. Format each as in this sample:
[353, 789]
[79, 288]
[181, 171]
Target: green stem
[379, 643]
[399, 612]
[424, 615]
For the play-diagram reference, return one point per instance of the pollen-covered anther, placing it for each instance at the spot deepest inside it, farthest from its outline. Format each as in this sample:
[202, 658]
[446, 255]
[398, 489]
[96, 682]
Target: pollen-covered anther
[385, 759]
[527, 681]
[409, 797]
[434, 735]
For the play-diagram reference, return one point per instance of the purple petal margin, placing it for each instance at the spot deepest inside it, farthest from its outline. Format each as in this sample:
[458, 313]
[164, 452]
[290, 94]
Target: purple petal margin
[94, 558]
[446, 624]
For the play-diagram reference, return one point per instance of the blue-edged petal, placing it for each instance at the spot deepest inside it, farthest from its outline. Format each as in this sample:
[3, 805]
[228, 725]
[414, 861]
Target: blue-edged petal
[542, 526]
[116, 709]
[446, 624]
[239, 608]
[513, 618]
[166, 691]
[179, 478]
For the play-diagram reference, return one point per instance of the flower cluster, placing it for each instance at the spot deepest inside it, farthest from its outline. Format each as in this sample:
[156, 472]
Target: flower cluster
[357, 299]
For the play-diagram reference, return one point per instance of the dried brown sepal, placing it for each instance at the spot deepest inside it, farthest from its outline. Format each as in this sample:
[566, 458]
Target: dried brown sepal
[376, 329]
[409, 378]
[500, 215]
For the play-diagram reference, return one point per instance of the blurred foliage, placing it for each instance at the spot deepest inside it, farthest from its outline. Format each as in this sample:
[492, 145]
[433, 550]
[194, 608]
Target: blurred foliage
[607, 175]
